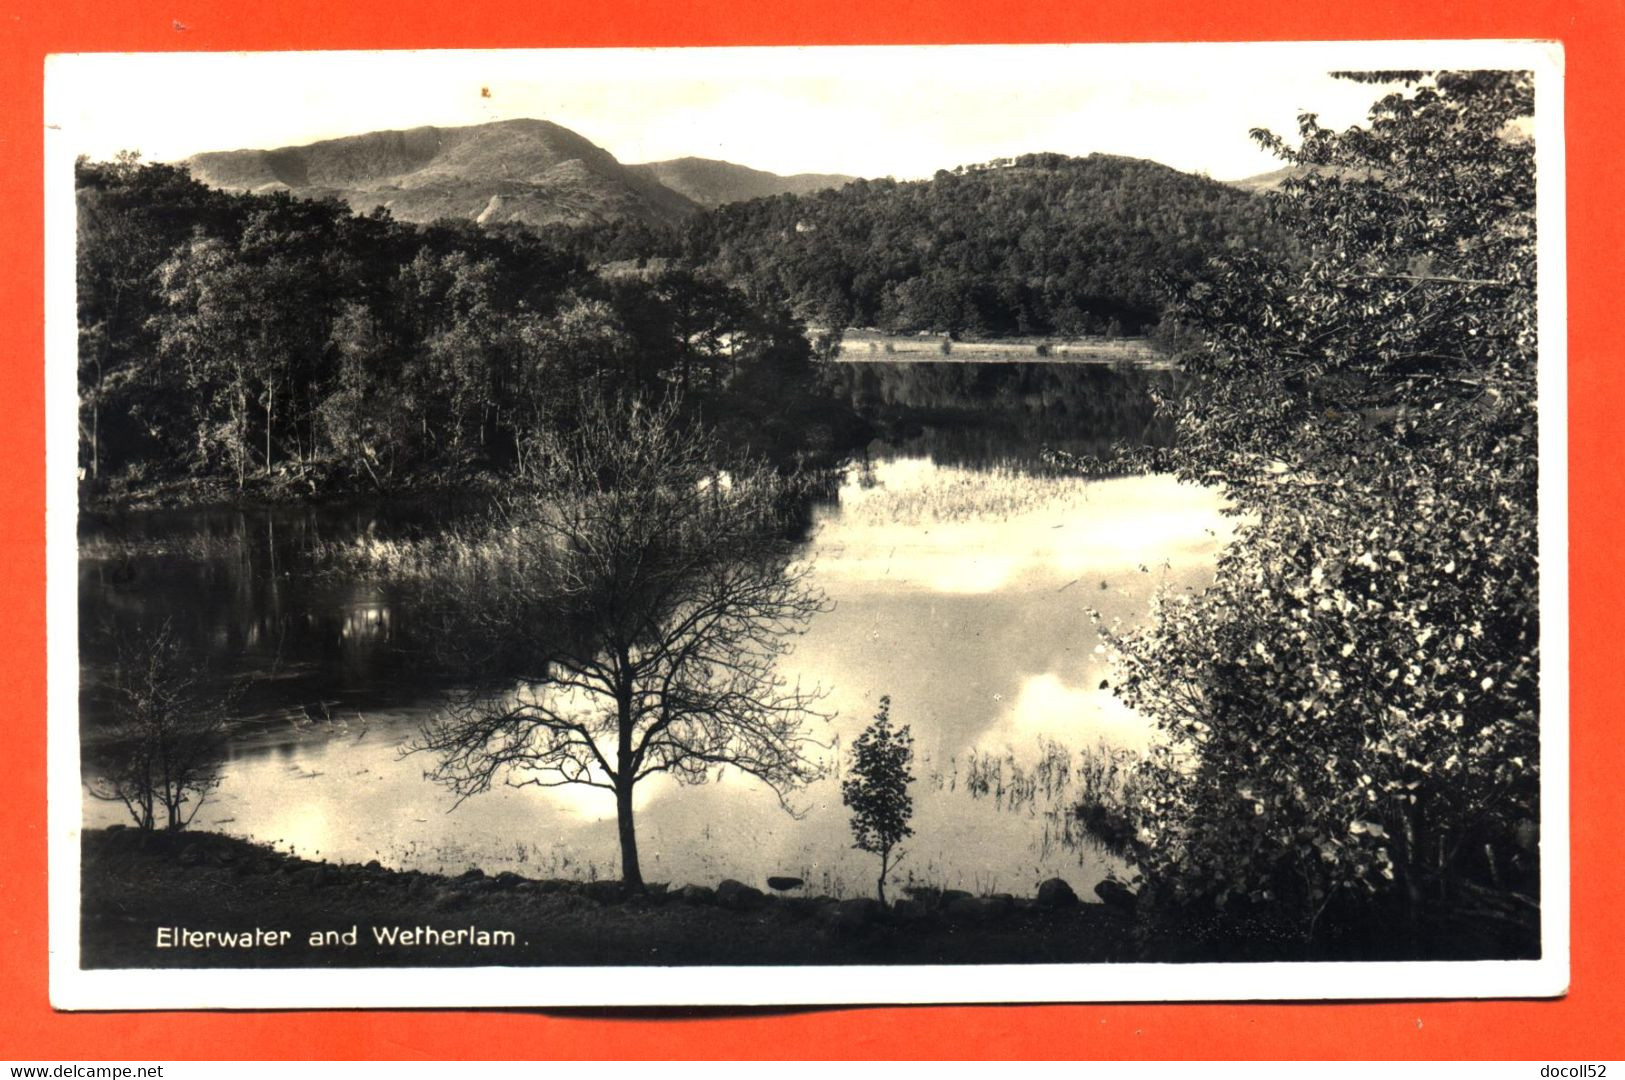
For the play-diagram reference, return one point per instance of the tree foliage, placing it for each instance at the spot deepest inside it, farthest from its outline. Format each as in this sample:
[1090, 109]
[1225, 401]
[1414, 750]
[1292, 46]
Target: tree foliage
[1349, 714]
[876, 791]
[272, 340]
[629, 616]
[130, 217]
[1042, 243]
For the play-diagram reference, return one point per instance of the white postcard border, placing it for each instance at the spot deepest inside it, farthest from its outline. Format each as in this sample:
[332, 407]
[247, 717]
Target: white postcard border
[315, 987]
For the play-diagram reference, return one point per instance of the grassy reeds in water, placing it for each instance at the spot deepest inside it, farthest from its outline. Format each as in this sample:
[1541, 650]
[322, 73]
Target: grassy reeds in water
[200, 547]
[953, 495]
[406, 558]
[1081, 796]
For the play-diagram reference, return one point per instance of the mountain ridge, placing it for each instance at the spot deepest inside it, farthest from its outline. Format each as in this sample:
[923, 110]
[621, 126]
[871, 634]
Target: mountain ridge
[525, 170]
[711, 182]
[532, 171]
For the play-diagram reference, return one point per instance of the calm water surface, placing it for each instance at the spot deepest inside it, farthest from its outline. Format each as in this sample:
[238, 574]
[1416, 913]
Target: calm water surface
[961, 586]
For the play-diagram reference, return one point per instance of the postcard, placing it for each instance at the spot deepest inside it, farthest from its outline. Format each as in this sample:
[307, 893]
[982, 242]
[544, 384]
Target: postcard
[807, 525]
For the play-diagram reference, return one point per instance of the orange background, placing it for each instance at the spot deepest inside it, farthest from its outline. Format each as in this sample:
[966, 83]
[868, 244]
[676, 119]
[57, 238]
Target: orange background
[1588, 1024]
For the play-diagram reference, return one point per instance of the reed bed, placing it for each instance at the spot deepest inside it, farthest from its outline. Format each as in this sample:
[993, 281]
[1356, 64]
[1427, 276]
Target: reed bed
[416, 557]
[1081, 796]
[200, 547]
[958, 495]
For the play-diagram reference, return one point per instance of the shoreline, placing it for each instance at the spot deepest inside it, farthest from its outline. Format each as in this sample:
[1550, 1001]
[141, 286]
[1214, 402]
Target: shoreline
[205, 493]
[226, 902]
[189, 900]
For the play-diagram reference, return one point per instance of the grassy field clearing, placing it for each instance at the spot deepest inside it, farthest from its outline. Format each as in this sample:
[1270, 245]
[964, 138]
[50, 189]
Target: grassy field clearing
[863, 346]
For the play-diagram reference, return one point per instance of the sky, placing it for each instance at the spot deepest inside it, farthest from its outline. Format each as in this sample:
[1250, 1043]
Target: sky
[869, 111]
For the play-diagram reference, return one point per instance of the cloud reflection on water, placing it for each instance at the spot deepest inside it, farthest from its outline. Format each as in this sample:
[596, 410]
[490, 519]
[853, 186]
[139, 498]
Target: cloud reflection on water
[961, 593]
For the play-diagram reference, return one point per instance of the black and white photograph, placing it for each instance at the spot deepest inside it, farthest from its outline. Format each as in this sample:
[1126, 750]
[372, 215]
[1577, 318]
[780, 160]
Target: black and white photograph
[806, 525]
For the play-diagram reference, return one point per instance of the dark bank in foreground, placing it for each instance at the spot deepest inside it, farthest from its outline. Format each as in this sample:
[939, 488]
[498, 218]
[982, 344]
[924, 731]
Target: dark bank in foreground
[186, 900]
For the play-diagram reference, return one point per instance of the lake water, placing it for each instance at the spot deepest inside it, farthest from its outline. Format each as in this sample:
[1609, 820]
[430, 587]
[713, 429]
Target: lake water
[961, 582]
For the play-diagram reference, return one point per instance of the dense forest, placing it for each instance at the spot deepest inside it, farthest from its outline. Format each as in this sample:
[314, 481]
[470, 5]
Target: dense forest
[292, 344]
[1039, 244]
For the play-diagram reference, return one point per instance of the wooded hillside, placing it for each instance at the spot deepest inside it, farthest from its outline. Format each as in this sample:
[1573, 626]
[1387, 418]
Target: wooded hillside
[1038, 244]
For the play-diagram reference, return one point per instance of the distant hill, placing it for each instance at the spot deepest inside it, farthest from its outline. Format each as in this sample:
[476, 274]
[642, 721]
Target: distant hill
[1272, 180]
[1269, 181]
[1038, 244]
[528, 171]
[712, 183]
